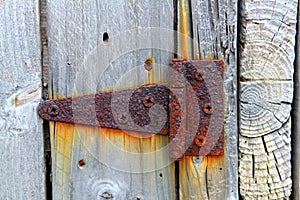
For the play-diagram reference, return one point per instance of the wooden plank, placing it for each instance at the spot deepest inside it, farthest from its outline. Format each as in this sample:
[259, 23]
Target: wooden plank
[214, 31]
[296, 119]
[98, 163]
[267, 55]
[21, 138]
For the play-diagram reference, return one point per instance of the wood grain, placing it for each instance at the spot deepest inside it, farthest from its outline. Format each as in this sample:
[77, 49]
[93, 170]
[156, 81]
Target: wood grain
[21, 137]
[296, 119]
[89, 162]
[214, 31]
[267, 54]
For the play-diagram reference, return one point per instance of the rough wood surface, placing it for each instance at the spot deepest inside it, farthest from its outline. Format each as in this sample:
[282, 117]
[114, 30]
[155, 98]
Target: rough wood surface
[267, 39]
[296, 119]
[215, 31]
[93, 163]
[21, 137]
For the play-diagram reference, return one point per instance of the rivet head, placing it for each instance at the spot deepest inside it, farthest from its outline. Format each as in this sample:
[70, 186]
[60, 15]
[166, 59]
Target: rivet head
[148, 101]
[207, 108]
[200, 140]
[198, 76]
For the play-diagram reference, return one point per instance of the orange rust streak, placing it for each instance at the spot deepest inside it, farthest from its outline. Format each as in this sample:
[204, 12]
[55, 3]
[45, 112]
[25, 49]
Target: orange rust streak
[215, 162]
[62, 147]
[65, 134]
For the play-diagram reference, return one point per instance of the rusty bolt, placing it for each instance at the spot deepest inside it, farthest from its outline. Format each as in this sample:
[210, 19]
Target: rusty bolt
[53, 110]
[122, 118]
[198, 76]
[200, 140]
[207, 108]
[148, 101]
[148, 64]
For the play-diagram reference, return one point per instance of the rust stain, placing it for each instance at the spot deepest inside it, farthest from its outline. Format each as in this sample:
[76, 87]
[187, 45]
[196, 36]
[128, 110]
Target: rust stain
[216, 163]
[149, 65]
[197, 56]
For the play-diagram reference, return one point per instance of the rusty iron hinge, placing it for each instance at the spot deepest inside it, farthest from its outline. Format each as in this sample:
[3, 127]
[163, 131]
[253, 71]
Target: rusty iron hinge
[189, 108]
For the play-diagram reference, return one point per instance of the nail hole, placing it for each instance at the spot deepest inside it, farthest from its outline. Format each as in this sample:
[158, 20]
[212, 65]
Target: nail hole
[160, 175]
[105, 38]
[106, 195]
[148, 64]
[81, 163]
[221, 168]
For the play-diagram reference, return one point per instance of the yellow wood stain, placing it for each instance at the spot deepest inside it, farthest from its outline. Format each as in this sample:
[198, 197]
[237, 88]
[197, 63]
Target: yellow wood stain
[184, 30]
[185, 40]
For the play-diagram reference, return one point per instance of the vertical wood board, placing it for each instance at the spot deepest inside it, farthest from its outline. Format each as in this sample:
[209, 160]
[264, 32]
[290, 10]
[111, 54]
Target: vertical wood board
[296, 119]
[21, 137]
[215, 32]
[89, 162]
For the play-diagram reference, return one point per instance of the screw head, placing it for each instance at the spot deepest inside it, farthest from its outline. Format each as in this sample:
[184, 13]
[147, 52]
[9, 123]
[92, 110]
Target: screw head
[148, 101]
[198, 75]
[53, 110]
[200, 140]
[208, 108]
[122, 118]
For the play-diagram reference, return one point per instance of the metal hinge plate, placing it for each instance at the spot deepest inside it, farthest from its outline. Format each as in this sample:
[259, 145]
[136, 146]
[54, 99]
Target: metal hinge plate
[189, 108]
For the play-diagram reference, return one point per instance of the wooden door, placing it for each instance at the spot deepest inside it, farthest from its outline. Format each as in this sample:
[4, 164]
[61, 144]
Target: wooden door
[85, 162]
[60, 48]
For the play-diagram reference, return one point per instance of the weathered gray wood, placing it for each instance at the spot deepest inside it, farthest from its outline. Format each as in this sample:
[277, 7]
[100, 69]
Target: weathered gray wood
[75, 30]
[267, 55]
[296, 119]
[21, 137]
[215, 31]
